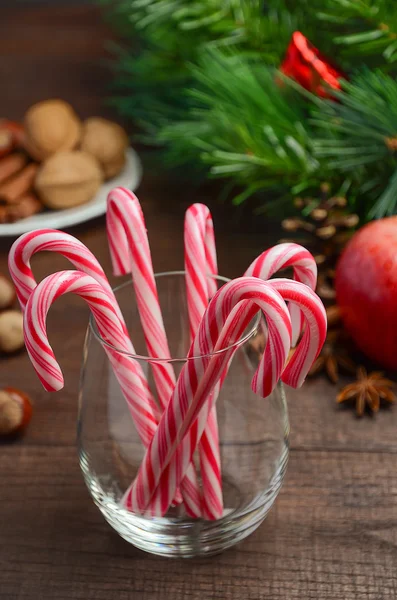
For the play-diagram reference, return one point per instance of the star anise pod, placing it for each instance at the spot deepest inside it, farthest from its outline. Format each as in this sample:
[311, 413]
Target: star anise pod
[332, 358]
[368, 390]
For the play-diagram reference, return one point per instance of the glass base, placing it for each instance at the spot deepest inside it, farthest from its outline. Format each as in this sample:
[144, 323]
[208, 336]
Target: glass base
[180, 537]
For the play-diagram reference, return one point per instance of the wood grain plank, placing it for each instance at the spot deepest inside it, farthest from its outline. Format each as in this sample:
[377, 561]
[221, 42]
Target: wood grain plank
[332, 535]
[48, 52]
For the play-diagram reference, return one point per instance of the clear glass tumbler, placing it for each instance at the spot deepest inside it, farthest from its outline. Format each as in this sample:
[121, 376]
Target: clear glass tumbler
[253, 434]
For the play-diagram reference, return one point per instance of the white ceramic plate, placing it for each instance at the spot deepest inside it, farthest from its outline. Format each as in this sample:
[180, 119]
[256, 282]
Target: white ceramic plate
[129, 177]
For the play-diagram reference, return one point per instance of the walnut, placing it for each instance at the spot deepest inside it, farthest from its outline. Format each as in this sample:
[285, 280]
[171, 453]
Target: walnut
[51, 126]
[108, 142]
[68, 179]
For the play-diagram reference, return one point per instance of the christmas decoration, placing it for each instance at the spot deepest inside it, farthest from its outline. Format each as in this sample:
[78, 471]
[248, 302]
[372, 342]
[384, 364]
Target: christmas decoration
[366, 287]
[305, 64]
[367, 390]
[246, 91]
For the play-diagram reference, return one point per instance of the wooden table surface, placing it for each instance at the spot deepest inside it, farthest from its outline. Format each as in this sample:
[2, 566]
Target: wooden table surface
[332, 533]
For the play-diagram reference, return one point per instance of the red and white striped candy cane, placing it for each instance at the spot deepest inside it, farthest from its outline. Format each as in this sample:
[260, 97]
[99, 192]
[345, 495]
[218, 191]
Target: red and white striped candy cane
[194, 387]
[296, 369]
[280, 257]
[110, 328]
[267, 264]
[127, 237]
[199, 234]
[294, 373]
[303, 358]
[313, 311]
[52, 240]
[49, 240]
[200, 264]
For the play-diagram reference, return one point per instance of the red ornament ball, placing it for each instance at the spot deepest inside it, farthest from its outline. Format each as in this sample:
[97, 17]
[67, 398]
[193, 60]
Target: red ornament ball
[366, 290]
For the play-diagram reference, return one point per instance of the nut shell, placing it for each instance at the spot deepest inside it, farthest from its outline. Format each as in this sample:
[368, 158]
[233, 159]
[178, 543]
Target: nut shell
[107, 141]
[11, 331]
[68, 179]
[7, 293]
[15, 411]
[51, 126]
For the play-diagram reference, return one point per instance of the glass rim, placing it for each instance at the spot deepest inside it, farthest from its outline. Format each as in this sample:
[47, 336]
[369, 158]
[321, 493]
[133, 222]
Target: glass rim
[161, 360]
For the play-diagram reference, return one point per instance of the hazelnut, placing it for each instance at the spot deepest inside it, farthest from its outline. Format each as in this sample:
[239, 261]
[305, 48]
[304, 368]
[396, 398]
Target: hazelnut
[68, 179]
[11, 331]
[15, 411]
[51, 126]
[7, 293]
[107, 141]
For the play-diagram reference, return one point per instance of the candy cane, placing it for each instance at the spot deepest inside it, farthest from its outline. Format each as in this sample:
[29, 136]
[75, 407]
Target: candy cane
[199, 245]
[200, 264]
[52, 240]
[130, 252]
[300, 363]
[194, 386]
[309, 346]
[313, 311]
[280, 257]
[110, 328]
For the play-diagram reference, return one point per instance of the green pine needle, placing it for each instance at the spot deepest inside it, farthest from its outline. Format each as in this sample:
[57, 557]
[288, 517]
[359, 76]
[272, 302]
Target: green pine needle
[199, 77]
[386, 205]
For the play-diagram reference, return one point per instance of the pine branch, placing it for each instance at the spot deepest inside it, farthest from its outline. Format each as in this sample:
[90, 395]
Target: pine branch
[387, 203]
[217, 23]
[198, 77]
[358, 133]
[150, 84]
[244, 126]
[362, 28]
